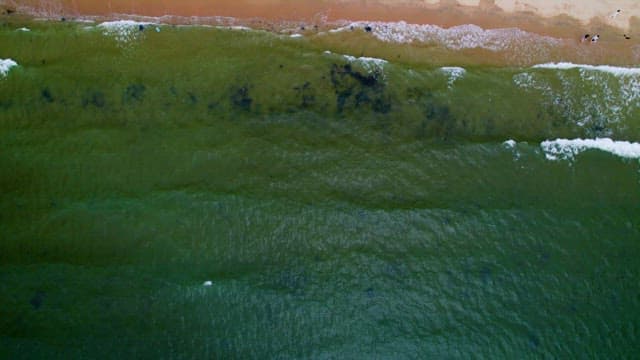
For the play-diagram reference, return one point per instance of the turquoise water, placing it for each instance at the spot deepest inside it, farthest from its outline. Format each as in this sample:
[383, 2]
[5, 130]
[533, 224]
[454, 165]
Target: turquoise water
[340, 209]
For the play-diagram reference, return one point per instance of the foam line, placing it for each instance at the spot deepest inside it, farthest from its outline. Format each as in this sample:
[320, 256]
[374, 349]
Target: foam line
[615, 70]
[568, 148]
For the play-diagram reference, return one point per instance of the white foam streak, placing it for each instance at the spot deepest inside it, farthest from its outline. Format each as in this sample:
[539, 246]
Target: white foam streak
[234, 27]
[368, 63]
[124, 31]
[6, 65]
[460, 37]
[365, 59]
[615, 70]
[454, 73]
[568, 148]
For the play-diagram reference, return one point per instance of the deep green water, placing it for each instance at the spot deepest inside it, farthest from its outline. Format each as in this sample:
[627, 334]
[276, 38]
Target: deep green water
[341, 210]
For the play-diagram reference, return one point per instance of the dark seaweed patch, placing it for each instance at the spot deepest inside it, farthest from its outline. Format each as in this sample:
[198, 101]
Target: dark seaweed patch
[598, 129]
[381, 105]
[370, 293]
[94, 98]
[438, 112]
[355, 89]
[534, 341]
[46, 95]
[293, 281]
[438, 120]
[307, 95]
[37, 300]
[134, 93]
[362, 98]
[213, 105]
[240, 98]
[341, 98]
[338, 74]
[193, 99]
[5, 104]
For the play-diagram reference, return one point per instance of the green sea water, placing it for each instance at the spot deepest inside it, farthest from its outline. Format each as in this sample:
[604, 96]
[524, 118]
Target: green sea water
[340, 208]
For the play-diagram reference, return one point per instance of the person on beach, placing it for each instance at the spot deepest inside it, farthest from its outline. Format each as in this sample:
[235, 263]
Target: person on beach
[595, 39]
[585, 38]
[615, 14]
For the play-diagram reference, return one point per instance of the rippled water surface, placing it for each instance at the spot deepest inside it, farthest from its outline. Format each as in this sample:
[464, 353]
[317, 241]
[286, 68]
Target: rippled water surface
[341, 206]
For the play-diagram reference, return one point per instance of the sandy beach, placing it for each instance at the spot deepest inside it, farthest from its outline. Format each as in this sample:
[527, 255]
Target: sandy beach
[541, 15]
[616, 22]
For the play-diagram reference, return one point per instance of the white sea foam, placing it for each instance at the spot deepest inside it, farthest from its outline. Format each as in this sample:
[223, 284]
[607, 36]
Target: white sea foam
[207, 283]
[6, 65]
[296, 35]
[370, 64]
[454, 73]
[460, 37]
[365, 59]
[24, 29]
[601, 97]
[568, 148]
[234, 27]
[124, 31]
[509, 143]
[615, 70]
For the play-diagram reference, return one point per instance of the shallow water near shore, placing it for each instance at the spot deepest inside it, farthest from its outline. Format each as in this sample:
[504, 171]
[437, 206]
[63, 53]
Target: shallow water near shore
[341, 205]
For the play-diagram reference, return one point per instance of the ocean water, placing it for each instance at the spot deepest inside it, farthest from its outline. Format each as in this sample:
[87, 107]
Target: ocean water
[341, 206]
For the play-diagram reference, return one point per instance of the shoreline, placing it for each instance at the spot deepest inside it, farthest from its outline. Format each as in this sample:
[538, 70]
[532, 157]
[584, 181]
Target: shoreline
[310, 18]
[559, 18]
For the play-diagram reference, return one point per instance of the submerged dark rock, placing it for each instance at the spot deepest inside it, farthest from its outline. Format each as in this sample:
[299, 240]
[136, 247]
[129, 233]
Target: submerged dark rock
[240, 98]
[193, 99]
[438, 121]
[5, 104]
[37, 300]
[134, 93]
[46, 95]
[381, 105]
[212, 105]
[338, 73]
[94, 98]
[370, 293]
[307, 94]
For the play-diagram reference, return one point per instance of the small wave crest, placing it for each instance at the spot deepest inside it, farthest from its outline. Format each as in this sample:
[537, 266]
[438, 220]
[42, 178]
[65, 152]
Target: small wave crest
[6, 65]
[594, 97]
[368, 63]
[615, 70]
[567, 149]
